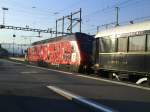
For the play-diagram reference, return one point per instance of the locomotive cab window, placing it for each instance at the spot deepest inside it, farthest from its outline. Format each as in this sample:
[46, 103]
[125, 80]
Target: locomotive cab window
[137, 43]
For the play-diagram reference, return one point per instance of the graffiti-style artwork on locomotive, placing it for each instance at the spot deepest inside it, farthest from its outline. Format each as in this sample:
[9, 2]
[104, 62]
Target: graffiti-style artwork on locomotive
[68, 51]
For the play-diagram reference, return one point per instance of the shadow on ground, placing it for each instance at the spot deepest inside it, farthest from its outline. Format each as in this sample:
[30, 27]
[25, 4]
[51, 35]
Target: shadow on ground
[126, 106]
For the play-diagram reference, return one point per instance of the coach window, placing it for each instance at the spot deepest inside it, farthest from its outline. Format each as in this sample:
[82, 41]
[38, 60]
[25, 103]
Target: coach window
[122, 44]
[108, 44]
[148, 42]
[137, 43]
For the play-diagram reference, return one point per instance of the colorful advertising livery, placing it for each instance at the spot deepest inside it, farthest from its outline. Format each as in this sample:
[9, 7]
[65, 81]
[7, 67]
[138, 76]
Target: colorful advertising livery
[72, 52]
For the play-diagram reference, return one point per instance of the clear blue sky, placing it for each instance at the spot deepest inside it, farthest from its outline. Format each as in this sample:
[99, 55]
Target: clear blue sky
[40, 14]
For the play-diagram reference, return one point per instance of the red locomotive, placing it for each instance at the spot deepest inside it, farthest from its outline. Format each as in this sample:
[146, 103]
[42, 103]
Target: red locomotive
[70, 52]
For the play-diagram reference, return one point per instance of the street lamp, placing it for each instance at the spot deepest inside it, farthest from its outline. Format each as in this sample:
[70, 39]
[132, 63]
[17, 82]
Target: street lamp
[4, 9]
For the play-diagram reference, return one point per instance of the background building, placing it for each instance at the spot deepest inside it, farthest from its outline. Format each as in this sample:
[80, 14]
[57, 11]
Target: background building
[16, 49]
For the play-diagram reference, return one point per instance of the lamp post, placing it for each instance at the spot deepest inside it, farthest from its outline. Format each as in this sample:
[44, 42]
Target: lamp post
[13, 43]
[4, 9]
[117, 16]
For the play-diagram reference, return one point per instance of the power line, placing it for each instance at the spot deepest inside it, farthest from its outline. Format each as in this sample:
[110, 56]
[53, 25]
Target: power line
[131, 3]
[108, 8]
[25, 8]
[29, 12]
[71, 5]
[36, 17]
[111, 8]
[144, 18]
[28, 9]
[127, 2]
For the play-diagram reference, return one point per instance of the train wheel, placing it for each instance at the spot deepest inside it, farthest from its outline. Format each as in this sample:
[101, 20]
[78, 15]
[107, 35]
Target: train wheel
[148, 79]
[111, 75]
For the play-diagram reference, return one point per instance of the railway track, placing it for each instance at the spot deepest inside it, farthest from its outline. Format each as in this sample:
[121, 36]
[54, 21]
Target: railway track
[95, 76]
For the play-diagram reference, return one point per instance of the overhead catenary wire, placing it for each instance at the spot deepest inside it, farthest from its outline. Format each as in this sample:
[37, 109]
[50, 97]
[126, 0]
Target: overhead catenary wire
[107, 8]
[144, 18]
[71, 5]
[25, 8]
[28, 9]
[40, 14]
[122, 4]
[126, 3]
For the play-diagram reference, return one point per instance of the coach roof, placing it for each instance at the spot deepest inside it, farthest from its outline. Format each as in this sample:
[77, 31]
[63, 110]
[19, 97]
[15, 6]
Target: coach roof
[124, 29]
[67, 37]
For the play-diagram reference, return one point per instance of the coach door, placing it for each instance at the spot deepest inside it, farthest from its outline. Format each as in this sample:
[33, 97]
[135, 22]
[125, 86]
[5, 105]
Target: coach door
[122, 53]
[96, 51]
